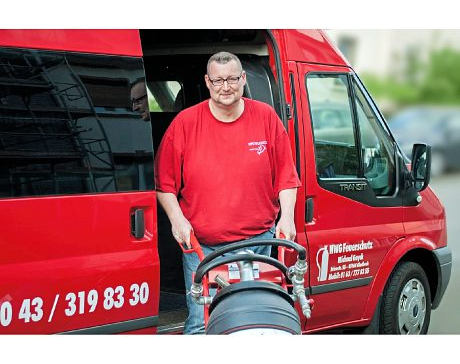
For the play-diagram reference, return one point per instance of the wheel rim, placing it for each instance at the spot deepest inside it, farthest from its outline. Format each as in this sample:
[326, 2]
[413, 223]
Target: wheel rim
[412, 308]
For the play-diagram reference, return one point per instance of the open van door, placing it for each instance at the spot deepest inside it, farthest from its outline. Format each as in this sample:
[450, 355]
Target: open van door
[77, 202]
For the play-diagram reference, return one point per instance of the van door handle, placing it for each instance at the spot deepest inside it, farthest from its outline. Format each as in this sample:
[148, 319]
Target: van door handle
[137, 224]
[309, 207]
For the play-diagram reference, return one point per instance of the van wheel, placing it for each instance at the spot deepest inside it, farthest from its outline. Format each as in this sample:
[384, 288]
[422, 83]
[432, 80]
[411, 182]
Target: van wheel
[406, 302]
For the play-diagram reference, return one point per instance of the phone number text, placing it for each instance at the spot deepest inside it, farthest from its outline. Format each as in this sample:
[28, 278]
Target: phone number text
[76, 303]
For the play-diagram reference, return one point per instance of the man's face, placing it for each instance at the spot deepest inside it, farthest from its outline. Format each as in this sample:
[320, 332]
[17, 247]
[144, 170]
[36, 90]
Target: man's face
[230, 92]
[139, 100]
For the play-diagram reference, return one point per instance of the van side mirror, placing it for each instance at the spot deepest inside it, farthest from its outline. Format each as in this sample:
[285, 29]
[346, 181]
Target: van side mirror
[421, 166]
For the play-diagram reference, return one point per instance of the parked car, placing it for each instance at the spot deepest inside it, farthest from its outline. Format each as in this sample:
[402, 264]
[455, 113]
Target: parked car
[439, 127]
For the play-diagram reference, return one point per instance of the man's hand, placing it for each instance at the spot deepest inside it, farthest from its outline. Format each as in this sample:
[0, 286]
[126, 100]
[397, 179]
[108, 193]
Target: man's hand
[287, 227]
[181, 229]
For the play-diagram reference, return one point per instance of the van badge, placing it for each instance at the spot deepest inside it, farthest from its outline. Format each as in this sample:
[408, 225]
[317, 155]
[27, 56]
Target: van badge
[353, 186]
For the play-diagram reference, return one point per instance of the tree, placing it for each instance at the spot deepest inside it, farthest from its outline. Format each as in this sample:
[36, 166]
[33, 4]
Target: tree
[441, 83]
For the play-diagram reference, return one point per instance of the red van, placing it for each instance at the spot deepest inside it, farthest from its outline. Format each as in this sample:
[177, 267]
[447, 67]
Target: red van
[83, 247]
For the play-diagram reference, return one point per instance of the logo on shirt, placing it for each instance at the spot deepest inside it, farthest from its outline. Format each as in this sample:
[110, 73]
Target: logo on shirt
[258, 147]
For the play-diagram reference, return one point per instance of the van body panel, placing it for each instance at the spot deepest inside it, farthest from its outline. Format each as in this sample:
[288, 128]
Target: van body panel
[428, 219]
[72, 262]
[308, 45]
[104, 41]
[82, 224]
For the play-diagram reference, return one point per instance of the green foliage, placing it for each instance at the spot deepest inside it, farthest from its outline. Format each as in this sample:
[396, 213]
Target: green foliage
[401, 93]
[439, 81]
[153, 105]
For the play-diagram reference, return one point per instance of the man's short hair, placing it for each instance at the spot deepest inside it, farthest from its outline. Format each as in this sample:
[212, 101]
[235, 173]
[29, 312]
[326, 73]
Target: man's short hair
[223, 58]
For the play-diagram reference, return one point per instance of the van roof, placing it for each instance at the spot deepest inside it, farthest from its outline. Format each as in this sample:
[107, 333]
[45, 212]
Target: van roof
[107, 41]
[312, 46]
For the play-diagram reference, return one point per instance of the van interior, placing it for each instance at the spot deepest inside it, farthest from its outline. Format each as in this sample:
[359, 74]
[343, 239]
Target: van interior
[175, 64]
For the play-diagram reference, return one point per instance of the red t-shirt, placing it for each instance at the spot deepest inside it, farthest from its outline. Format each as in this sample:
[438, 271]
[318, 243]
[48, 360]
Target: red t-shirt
[227, 176]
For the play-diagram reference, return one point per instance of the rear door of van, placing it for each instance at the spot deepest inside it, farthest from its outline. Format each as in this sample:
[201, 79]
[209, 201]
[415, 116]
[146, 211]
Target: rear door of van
[78, 236]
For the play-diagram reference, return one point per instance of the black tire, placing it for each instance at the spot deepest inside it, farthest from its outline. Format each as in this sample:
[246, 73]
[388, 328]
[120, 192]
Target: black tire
[406, 301]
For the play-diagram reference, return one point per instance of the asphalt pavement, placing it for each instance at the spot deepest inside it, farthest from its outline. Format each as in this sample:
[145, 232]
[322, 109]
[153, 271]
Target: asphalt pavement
[446, 318]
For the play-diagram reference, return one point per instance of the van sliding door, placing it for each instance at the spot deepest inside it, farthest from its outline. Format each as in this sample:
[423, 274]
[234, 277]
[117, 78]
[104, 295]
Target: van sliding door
[77, 206]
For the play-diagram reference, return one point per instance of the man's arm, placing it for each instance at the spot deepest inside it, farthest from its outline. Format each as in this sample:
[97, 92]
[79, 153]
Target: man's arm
[180, 226]
[286, 223]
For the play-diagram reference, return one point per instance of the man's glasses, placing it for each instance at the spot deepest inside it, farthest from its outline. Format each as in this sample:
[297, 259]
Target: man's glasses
[232, 80]
[137, 101]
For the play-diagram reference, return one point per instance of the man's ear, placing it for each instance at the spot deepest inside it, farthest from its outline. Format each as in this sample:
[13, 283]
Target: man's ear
[206, 80]
[243, 76]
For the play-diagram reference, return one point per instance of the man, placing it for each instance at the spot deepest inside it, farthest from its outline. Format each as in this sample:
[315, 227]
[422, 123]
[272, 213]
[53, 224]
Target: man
[224, 169]
[139, 99]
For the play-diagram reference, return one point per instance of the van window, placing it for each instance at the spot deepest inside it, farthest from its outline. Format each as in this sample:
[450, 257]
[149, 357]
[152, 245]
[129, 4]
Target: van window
[377, 149]
[67, 125]
[165, 96]
[338, 152]
[331, 114]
